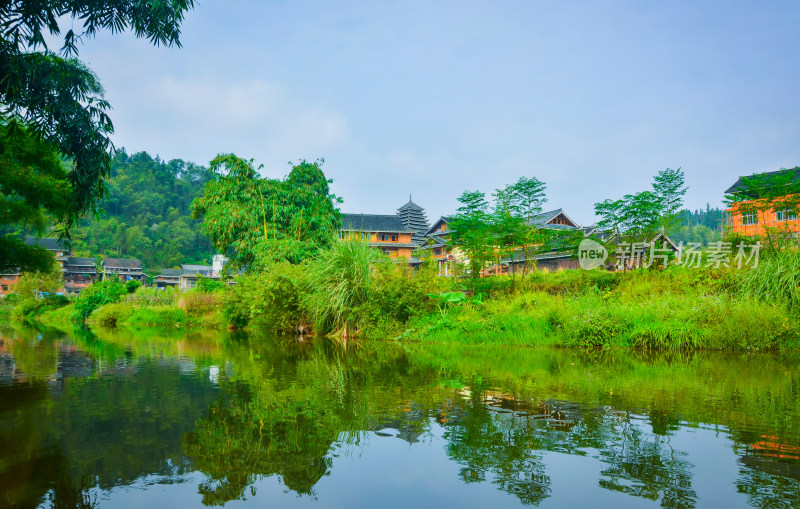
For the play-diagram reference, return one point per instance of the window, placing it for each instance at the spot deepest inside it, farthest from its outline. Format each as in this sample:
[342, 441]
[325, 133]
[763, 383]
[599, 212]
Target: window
[749, 218]
[386, 252]
[785, 215]
[385, 237]
[5, 288]
[365, 236]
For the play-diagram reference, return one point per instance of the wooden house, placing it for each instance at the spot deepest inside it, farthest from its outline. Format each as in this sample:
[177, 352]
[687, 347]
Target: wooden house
[436, 244]
[745, 220]
[168, 278]
[79, 273]
[125, 269]
[383, 231]
[9, 280]
[190, 274]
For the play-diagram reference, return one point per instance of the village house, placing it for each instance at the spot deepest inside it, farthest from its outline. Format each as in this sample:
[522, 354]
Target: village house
[396, 235]
[125, 269]
[10, 279]
[79, 273]
[746, 220]
[168, 278]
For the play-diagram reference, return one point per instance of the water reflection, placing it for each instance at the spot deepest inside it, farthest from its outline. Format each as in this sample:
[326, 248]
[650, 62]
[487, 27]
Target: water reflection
[82, 415]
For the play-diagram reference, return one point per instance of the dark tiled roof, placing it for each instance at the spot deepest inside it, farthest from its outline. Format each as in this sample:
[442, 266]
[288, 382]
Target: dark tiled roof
[738, 184]
[75, 261]
[47, 243]
[189, 269]
[171, 273]
[373, 223]
[121, 263]
[411, 206]
[542, 220]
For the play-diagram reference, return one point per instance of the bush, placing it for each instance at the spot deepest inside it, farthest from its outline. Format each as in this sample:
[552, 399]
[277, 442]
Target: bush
[595, 329]
[208, 285]
[97, 294]
[400, 292]
[269, 300]
[132, 285]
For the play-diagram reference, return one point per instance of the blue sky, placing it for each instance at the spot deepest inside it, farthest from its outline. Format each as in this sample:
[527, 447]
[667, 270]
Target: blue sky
[434, 98]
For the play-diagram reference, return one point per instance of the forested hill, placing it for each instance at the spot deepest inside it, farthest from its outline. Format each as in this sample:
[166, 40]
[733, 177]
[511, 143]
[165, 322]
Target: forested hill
[147, 214]
[700, 225]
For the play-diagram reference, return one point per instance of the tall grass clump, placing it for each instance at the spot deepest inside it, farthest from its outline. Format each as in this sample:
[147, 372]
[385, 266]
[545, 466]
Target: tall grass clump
[777, 279]
[339, 282]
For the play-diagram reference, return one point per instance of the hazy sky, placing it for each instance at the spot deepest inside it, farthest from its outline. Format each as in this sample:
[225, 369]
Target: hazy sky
[434, 98]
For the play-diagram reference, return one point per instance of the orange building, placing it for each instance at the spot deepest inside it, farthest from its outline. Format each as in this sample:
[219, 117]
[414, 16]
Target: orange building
[748, 218]
[383, 231]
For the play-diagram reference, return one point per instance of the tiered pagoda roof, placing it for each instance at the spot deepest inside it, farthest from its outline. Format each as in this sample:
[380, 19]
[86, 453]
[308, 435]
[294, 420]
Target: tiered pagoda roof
[414, 219]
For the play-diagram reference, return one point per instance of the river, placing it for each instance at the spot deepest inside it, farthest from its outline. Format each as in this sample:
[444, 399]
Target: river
[149, 419]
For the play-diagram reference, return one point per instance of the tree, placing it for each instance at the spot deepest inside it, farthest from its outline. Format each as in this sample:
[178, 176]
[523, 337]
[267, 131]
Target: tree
[32, 187]
[515, 207]
[472, 230]
[637, 217]
[668, 186]
[57, 100]
[258, 221]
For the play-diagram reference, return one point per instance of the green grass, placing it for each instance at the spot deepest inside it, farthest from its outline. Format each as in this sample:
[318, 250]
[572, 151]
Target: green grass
[677, 309]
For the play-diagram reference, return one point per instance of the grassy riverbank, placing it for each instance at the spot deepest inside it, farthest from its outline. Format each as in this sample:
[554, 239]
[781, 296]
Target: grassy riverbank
[676, 309]
[673, 309]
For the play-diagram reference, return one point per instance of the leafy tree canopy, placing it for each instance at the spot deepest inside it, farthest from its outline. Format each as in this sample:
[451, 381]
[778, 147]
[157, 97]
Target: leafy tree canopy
[640, 215]
[257, 221]
[58, 100]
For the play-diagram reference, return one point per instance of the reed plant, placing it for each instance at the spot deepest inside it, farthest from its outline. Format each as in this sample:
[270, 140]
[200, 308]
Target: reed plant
[339, 286]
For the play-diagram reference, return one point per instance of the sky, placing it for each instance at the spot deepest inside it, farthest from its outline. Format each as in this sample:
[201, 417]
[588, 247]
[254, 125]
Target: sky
[430, 99]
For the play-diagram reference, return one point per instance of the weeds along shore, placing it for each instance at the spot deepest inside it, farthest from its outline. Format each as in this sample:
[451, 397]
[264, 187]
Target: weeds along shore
[354, 296]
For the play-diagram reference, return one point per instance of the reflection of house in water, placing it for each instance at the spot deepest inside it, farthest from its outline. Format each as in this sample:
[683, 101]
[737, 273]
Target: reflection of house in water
[7, 368]
[774, 456]
[402, 429]
[558, 414]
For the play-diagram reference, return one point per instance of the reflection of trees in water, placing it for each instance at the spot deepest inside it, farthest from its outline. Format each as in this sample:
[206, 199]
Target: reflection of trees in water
[646, 465]
[67, 433]
[501, 449]
[241, 440]
[505, 440]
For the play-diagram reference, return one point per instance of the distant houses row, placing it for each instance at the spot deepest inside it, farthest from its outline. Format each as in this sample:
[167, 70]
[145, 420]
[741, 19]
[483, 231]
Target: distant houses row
[78, 272]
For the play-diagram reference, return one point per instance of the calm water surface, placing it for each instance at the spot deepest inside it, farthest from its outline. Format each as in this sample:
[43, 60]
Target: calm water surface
[133, 420]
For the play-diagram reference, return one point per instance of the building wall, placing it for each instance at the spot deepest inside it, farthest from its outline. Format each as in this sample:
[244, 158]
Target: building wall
[765, 219]
[7, 283]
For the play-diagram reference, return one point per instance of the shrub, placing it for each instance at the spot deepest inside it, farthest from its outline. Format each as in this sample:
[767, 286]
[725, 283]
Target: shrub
[269, 300]
[132, 285]
[400, 292]
[595, 329]
[110, 315]
[208, 285]
[97, 294]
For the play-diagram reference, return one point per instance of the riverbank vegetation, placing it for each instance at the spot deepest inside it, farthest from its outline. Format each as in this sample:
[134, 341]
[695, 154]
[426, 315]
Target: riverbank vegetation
[352, 293]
